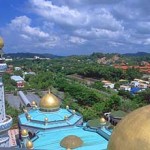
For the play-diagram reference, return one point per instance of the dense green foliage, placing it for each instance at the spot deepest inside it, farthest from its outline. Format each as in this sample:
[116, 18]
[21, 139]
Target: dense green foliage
[90, 100]
[13, 112]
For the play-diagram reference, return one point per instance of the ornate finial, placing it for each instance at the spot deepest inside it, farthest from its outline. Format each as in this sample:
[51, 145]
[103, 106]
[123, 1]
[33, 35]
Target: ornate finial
[24, 133]
[73, 111]
[67, 107]
[28, 117]
[29, 145]
[66, 117]
[1, 46]
[46, 120]
[102, 121]
[33, 104]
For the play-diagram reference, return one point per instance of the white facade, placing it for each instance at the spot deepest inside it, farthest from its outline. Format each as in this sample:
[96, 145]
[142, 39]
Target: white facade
[134, 83]
[17, 78]
[125, 88]
[17, 68]
[142, 86]
[2, 103]
[109, 85]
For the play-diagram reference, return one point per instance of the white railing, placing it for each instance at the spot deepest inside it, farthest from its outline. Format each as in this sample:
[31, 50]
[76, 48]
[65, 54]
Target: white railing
[6, 125]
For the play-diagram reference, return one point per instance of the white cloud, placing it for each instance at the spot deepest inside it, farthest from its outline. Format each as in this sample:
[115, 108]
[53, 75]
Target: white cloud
[147, 41]
[23, 24]
[63, 14]
[83, 25]
[100, 33]
[77, 40]
[28, 37]
[59, 14]
[25, 37]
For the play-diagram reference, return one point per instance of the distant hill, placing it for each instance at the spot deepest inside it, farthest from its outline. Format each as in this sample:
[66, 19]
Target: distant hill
[30, 55]
[138, 54]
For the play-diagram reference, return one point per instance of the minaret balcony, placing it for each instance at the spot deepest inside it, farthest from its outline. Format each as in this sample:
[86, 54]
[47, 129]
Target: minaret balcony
[3, 67]
[6, 124]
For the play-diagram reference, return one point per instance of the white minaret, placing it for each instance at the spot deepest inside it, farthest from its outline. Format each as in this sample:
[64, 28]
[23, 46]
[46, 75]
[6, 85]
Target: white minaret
[2, 103]
[3, 67]
[5, 120]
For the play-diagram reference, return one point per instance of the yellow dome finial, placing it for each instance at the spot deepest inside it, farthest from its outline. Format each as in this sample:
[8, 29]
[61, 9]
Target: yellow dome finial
[29, 145]
[1, 43]
[33, 103]
[67, 107]
[24, 132]
[102, 121]
[28, 117]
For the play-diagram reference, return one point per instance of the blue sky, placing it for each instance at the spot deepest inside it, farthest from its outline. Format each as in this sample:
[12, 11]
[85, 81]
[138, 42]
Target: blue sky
[66, 27]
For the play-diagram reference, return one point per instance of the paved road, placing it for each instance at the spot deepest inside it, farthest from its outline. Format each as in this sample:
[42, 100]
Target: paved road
[15, 101]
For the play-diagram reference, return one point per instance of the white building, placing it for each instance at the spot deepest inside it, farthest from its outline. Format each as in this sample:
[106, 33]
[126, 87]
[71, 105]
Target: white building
[109, 85]
[19, 81]
[17, 68]
[125, 87]
[143, 86]
[135, 83]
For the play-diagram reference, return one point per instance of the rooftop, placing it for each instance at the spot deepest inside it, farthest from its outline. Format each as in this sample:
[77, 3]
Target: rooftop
[52, 139]
[17, 78]
[55, 119]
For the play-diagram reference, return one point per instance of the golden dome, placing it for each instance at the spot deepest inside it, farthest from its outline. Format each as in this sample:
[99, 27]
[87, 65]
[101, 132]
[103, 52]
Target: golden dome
[1, 43]
[102, 120]
[49, 102]
[24, 132]
[29, 145]
[132, 132]
[71, 141]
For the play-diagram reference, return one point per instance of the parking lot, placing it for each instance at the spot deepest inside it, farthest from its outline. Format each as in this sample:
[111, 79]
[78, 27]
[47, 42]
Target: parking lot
[15, 101]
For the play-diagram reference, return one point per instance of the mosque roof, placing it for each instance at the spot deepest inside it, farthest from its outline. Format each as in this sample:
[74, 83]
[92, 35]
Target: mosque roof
[52, 138]
[54, 118]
